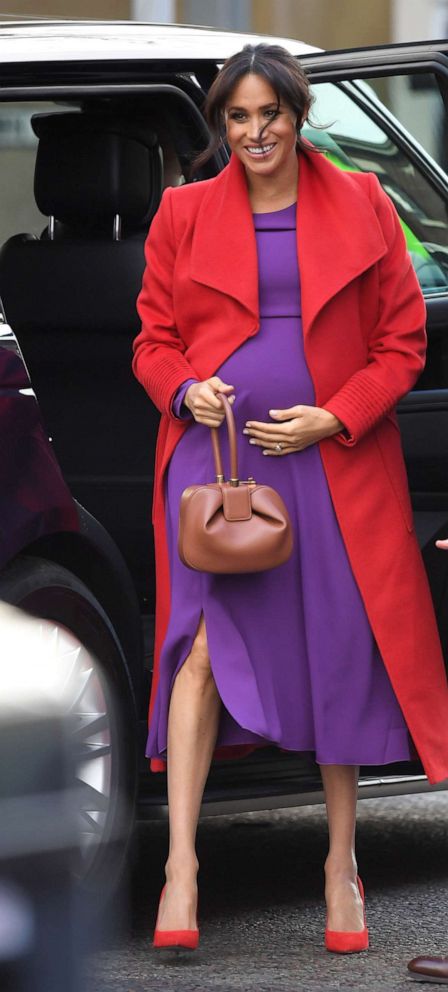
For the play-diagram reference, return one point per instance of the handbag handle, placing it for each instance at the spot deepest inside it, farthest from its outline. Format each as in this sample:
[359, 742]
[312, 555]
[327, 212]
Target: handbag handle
[231, 429]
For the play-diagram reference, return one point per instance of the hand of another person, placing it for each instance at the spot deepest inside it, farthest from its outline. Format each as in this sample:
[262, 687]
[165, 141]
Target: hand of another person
[293, 429]
[204, 404]
[442, 544]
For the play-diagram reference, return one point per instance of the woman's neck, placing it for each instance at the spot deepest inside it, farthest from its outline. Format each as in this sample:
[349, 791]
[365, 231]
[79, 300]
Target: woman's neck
[273, 192]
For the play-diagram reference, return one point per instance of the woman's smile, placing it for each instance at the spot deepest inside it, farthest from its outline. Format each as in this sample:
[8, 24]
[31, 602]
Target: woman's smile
[260, 150]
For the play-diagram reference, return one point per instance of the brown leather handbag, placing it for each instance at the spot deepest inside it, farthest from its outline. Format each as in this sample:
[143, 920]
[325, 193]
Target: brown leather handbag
[234, 526]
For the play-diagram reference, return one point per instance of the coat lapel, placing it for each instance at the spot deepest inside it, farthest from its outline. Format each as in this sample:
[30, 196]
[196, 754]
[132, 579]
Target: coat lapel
[338, 235]
[224, 250]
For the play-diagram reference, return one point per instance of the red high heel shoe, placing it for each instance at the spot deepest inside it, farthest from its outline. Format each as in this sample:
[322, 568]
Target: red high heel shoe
[346, 941]
[175, 940]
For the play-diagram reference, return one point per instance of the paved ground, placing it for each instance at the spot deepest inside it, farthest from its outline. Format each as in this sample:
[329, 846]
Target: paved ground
[262, 911]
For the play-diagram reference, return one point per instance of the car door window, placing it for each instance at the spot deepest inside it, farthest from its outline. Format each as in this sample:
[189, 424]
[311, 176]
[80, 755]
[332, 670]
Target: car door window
[357, 130]
[415, 100]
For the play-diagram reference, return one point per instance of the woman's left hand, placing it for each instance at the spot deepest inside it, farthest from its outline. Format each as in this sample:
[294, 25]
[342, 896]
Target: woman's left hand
[293, 429]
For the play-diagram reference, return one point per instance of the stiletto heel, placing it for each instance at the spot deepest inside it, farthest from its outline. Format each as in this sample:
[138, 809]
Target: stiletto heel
[346, 941]
[175, 940]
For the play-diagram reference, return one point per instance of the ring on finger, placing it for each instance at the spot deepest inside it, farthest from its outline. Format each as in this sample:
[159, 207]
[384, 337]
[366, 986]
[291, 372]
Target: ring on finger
[279, 447]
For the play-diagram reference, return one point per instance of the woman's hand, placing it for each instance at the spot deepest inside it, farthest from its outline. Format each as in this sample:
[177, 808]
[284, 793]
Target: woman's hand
[443, 544]
[294, 429]
[204, 404]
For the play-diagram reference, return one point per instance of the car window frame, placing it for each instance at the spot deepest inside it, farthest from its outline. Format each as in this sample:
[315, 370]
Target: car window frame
[394, 129]
[352, 66]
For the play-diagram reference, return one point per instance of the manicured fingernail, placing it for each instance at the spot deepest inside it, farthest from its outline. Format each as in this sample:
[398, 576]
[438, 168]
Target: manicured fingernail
[265, 452]
[273, 413]
[248, 425]
[252, 441]
[245, 431]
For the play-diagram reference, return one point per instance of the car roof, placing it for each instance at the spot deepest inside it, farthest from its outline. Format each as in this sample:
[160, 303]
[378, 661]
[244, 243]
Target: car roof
[62, 40]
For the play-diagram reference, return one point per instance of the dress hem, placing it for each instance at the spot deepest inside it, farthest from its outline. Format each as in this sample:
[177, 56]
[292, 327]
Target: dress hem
[401, 750]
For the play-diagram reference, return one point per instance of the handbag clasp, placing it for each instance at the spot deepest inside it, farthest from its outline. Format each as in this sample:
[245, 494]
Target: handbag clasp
[247, 482]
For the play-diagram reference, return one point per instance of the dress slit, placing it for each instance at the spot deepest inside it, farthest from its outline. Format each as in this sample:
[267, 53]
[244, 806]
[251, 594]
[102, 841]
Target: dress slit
[185, 656]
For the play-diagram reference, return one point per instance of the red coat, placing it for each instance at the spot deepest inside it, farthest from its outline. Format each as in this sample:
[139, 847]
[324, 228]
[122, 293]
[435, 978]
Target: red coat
[363, 324]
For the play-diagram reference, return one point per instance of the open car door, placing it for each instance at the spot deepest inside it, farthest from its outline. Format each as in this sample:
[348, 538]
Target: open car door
[385, 110]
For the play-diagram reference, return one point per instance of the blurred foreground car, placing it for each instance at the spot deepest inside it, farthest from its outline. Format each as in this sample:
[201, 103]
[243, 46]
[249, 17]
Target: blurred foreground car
[95, 120]
[48, 921]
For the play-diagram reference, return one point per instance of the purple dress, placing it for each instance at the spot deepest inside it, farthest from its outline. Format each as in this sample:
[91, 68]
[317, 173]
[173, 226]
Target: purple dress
[291, 649]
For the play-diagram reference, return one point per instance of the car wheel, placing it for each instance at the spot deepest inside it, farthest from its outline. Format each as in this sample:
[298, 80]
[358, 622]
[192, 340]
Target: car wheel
[101, 708]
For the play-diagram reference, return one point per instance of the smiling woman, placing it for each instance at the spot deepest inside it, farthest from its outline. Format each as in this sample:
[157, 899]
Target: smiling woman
[253, 289]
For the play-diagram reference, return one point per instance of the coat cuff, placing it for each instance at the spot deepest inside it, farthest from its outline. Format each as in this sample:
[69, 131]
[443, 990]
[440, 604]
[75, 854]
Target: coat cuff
[163, 378]
[359, 405]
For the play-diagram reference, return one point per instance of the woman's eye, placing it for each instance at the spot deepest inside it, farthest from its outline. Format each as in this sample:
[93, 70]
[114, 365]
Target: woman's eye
[238, 115]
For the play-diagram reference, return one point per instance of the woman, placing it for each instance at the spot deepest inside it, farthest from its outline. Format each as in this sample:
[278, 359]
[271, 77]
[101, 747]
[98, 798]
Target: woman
[285, 284]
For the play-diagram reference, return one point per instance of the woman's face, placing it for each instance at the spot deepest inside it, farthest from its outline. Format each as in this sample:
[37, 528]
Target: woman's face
[251, 106]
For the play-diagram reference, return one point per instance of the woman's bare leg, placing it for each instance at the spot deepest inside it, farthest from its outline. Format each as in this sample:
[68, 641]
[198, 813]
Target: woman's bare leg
[344, 905]
[192, 731]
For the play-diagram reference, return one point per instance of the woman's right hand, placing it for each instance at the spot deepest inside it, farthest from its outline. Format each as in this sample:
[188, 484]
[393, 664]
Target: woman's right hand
[204, 404]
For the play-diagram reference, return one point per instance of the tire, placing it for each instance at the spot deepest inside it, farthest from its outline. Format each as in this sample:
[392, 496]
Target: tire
[106, 752]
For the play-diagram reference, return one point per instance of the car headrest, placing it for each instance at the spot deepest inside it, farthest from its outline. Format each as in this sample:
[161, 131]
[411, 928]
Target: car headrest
[91, 167]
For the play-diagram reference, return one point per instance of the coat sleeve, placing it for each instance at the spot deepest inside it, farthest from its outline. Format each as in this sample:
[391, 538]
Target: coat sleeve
[159, 361]
[397, 344]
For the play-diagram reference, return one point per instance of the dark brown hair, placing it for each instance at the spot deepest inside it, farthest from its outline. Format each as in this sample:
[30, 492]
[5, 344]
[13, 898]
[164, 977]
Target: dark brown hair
[278, 67]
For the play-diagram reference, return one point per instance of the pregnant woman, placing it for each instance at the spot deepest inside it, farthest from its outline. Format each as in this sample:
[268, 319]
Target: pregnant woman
[286, 284]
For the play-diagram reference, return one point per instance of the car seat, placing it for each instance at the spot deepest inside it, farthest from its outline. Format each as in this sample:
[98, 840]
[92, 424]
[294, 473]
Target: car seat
[70, 297]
